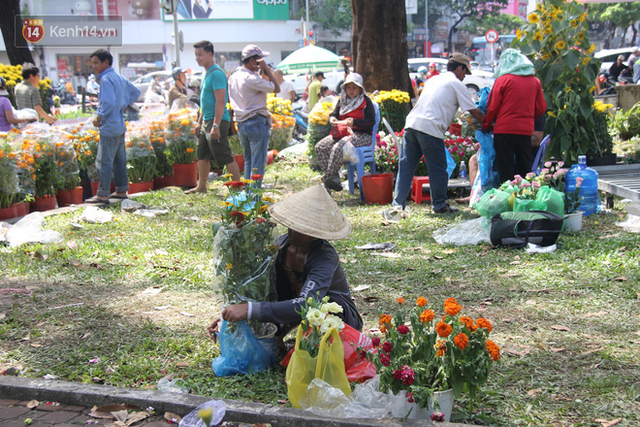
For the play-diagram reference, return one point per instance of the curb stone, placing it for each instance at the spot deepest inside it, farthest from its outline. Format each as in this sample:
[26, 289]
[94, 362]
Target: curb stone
[88, 395]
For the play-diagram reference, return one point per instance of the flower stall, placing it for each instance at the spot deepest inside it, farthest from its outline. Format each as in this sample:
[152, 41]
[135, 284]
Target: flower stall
[282, 122]
[394, 106]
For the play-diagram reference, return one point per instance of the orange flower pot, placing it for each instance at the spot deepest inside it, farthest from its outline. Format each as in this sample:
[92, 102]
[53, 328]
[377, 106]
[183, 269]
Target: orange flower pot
[69, 197]
[455, 129]
[185, 175]
[140, 187]
[21, 208]
[8, 213]
[271, 154]
[42, 204]
[165, 181]
[95, 185]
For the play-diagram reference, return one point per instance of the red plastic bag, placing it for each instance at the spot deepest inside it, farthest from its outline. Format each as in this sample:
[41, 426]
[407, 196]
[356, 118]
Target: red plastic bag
[358, 368]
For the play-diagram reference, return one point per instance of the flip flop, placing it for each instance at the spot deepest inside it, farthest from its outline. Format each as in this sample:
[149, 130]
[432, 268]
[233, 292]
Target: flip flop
[96, 201]
[114, 196]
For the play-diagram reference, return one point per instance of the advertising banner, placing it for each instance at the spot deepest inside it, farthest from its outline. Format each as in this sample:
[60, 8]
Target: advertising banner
[265, 10]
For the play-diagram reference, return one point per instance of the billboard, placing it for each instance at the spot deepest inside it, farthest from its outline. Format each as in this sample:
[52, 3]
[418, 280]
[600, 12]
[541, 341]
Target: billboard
[198, 10]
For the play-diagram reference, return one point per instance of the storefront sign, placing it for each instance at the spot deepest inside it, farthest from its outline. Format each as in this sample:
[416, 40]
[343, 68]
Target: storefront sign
[441, 31]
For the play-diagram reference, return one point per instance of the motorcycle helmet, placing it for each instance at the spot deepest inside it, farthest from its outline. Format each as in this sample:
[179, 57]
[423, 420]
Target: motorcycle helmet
[423, 69]
[92, 76]
[176, 72]
[602, 78]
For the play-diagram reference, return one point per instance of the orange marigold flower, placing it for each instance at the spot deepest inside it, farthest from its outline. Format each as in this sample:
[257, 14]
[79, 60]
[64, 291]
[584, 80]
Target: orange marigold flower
[385, 319]
[451, 306]
[443, 329]
[441, 348]
[421, 301]
[189, 150]
[484, 323]
[427, 316]
[493, 350]
[383, 329]
[461, 341]
[400, 300]
[468, 323]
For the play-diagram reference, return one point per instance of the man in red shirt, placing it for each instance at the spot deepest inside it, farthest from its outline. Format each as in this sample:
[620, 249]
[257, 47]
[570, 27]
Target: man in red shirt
[515, 101]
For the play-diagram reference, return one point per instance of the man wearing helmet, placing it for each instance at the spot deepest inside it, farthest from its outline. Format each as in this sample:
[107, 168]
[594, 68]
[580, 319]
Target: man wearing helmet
[179, 89]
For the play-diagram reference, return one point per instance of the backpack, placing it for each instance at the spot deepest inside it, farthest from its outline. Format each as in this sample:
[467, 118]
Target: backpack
[517, 229]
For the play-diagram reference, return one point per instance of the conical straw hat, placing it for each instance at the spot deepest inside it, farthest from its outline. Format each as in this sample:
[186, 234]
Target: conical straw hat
[312, 212]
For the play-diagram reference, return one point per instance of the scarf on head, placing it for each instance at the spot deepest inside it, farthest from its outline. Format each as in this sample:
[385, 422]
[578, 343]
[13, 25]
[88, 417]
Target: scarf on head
[347, 104]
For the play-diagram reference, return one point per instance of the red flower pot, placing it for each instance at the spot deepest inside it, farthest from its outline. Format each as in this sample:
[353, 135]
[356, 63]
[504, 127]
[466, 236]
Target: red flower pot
[239, 161]
[8, 213]
[185, 175]
[140, 187]
[41, 204]
[455, 129]
[95, 185]
[21, 208]
[271, 155]
[69, 197]
[378, 188]
[165, 181]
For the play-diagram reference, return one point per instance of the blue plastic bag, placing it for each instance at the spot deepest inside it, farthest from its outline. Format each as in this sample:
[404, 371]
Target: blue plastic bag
[451, 164]
[241, 352]
[484, 98]
[489, 177]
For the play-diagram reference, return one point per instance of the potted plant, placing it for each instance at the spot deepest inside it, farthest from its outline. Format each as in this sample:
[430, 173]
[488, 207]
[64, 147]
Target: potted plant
[42, 149]
[164, 167]
[9, 188]
[422, 354]
[394, 106]
[181, 143]
[319, 127]
[68, 191]
[141, 161]
[85, 140]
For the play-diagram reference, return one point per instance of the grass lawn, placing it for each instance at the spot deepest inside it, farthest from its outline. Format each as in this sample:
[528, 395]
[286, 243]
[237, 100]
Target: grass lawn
[88, 309]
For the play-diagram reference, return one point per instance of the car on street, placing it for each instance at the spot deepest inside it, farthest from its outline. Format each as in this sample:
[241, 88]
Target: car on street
[474, 82]
[609, 56]
[143, 83]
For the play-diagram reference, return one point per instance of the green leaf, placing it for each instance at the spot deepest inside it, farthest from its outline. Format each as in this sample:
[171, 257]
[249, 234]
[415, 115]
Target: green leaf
[571, 59]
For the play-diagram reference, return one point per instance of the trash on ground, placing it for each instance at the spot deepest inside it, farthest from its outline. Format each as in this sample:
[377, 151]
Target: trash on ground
[129, 205]
[386, 246]
[95, 215]
[533, 248]
[175, 385]
[209, 414]
[631, 224]
[29, 230]
[470, 232]
[151, 212]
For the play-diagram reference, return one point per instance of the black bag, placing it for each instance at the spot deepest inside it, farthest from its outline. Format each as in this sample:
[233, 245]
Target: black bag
[517, 229]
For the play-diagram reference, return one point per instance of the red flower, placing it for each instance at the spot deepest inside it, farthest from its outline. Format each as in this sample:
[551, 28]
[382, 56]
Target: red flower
[409, 397]
[375, 341]
[237, 217]
[403, 329]
[397, 374]
[386, 347]
[234, 184]
[384, 359]
[260, 220]
[256, 177]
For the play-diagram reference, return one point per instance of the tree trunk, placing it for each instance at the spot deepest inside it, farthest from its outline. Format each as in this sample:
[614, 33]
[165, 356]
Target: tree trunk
[623, 37]
[379, 44]
[451, 30]
[635, 34]
[17, 47]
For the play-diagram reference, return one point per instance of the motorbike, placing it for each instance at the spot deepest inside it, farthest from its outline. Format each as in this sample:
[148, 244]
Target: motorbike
[65, 96]
[607, 83]
[302, 120]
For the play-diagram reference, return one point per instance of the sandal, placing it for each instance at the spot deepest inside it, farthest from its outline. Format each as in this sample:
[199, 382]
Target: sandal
[115, 196]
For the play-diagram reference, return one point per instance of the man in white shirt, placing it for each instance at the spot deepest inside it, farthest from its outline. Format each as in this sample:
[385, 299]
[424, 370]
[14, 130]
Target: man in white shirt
[424, 132]
[286, 87]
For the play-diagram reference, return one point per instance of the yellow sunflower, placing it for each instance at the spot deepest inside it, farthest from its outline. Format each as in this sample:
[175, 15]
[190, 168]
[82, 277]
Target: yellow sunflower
[519, 34]
[534, 18]
[560, 45]
[538, 36]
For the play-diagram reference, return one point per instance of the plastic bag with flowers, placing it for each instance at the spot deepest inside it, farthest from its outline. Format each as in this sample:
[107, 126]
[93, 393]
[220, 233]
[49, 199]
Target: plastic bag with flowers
[38, 143]
[282, 122]
[319, 126]
[141, 158]
[422, 352]
[9, 188]
[180, 135]
[164, 166]
[318, 352]
[394, 106]
[85, 138]
[66, 159]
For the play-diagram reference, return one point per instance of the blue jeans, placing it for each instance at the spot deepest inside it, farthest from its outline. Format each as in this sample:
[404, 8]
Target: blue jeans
[254, 135]
[416, 144]
[111, 160]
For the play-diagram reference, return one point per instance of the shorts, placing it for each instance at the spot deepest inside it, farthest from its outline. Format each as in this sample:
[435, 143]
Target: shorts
[217, 150]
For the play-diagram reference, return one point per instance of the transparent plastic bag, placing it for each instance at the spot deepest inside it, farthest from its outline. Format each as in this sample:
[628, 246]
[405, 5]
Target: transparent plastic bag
[349, 153]
[217, 410]
[175, 385]
[241, 352]
[471, 232]
[493, 202]
[29, 230]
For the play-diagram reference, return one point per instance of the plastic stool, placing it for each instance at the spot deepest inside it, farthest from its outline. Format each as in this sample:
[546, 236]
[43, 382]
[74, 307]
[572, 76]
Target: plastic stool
[416, 189]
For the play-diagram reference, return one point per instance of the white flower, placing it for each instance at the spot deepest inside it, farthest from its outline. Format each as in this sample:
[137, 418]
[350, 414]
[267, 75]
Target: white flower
[331, 322]
[331, 307]
[315, 317]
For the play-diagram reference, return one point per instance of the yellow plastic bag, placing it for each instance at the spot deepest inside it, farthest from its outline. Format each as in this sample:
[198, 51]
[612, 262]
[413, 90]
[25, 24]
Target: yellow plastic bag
[328, 366]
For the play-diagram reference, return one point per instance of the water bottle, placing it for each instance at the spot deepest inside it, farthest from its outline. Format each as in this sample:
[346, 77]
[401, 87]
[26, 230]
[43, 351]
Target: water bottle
[463, 171]
[589, 187]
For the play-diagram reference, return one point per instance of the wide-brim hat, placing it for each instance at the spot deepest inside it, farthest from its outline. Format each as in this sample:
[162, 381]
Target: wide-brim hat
[354, 78]
[312, 212]
[461, 58]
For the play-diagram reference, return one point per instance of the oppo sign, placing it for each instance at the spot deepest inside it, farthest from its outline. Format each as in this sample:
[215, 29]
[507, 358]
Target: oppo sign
[271, 2]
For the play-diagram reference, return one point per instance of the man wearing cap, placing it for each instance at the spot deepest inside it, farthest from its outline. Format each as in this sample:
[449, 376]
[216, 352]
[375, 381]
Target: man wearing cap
[248, 95]
[306, 265]
[314, 89]
[212, 128]
[424, 135]
[617, 67]
[179, 89]
[515, 102]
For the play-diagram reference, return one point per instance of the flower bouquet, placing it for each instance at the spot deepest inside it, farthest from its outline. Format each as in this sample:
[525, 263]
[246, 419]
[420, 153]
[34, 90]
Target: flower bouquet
[85, 140]
[319, 126]
[141, 158]
[394, 105]
[180, 136]
[422, 352]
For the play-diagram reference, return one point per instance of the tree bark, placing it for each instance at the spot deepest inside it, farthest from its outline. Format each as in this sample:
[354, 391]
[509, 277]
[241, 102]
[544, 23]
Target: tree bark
[17, 47]
[379, 44]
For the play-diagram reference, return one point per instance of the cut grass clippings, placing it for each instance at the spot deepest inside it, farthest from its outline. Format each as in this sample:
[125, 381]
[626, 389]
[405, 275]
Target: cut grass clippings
[127, 302]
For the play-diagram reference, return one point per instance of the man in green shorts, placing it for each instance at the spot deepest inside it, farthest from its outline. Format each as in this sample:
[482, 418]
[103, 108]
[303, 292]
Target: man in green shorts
[212, 128]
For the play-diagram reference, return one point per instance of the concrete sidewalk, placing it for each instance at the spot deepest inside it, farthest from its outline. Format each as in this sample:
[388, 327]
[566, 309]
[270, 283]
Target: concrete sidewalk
[75, 400]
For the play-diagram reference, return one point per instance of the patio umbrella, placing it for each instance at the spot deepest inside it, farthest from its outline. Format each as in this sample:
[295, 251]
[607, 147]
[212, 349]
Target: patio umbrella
[312, 58]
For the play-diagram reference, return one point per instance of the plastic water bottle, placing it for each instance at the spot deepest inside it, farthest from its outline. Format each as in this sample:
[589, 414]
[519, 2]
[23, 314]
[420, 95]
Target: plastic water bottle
[589, 187]
[463, 171]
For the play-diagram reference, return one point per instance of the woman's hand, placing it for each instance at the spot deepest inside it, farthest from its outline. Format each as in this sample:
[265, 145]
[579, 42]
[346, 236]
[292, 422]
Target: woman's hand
[348, 122]
[333, 121]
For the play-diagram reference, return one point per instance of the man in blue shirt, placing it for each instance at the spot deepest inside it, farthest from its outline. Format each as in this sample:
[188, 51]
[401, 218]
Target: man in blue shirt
[116, 93]
[213, 138]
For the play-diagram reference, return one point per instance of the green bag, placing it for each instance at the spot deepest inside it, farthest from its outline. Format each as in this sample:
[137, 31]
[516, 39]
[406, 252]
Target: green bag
[553, 198]
[493, 202]
[526, 205]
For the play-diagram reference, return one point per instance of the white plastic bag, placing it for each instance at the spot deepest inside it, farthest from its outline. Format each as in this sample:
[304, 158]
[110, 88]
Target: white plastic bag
[349, 153]
[218, 410]
[470, 232]
[175, 385]
[29, 230]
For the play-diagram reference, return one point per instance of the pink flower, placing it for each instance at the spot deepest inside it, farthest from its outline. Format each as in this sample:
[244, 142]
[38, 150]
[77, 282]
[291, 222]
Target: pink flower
[384, 359]
[386, 347]
[547, 164]
[579, 182]
[525, 184]
[544, 171]
[531, 175]
[409, 397]
[375, 341]
[535, 185]
[562, 172]
[403, 329]
[437, 416]
[407, 375]
[560, 164]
